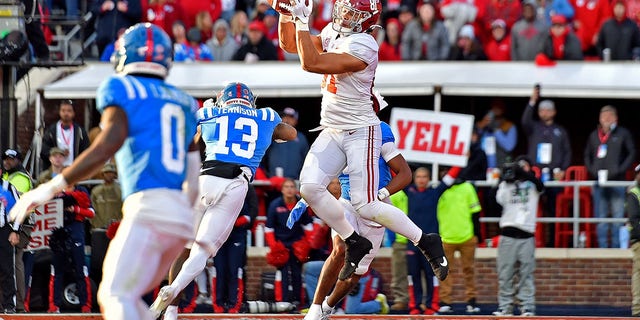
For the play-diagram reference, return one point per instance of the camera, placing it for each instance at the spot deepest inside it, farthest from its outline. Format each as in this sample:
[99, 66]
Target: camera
[510, 171]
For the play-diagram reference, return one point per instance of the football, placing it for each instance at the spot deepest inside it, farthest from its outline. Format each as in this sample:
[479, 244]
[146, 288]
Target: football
[275, 4]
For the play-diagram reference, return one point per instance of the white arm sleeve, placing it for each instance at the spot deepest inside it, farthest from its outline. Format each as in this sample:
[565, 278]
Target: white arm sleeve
[389, 151]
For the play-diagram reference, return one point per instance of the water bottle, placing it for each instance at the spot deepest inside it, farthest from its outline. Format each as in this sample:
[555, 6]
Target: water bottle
[623, 234]
[582, 240]
[546, 175]
[259, 235]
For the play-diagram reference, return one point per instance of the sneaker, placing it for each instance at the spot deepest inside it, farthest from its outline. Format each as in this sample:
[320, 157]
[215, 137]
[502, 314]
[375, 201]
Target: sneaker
[527, 313]
[203, 298]
[384, 305]
[165, 296]
[431, 246]
[472, 307]
[9, 310]
[357, 248]
[319, 312]
[53, 310]
[502, 312]
[445, 308]
[325, 310]
[430, 312]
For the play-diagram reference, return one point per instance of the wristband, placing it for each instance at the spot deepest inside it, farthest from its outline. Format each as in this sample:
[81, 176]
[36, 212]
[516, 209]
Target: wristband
[383, 194]
[301, 26]
[285, 18]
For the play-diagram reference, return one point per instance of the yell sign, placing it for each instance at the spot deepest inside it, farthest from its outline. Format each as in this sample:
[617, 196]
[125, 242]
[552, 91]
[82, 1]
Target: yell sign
[47, 217]
[432, 137]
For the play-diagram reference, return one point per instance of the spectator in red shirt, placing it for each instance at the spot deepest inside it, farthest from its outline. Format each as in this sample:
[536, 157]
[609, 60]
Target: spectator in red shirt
[633, 10]
[589, 17]
[490, 10]
[499, 46]
[561, 43]
[162, 13]
[322, 13]
[205, 25]
[390, 46]
[192, 7]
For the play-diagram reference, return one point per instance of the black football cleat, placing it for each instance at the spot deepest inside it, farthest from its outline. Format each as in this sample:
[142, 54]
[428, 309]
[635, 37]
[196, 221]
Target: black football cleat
[431, 246]
[357, 248]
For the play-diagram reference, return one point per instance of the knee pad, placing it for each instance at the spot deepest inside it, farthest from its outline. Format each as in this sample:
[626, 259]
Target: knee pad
[312, 191]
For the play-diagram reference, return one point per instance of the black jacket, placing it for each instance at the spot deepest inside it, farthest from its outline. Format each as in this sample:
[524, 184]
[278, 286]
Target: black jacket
[537, 132]
[619, 157]
[621, 37]
[80, 142]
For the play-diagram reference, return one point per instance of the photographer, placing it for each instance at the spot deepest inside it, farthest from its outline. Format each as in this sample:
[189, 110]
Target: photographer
[518, 193]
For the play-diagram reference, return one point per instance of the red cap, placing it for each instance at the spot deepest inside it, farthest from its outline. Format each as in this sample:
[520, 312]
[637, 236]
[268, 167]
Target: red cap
[258, 25]
[558, 19]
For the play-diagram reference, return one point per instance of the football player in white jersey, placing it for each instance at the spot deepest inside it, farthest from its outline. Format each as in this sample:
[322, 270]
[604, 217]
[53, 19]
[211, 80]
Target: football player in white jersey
[347, 55]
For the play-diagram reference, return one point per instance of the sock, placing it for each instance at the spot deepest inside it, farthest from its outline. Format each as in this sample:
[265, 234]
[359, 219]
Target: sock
[326, 306]
[171, 313]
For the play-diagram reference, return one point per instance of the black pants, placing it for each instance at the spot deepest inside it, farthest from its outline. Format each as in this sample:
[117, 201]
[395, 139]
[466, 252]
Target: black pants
[7, 269]
[34, 31]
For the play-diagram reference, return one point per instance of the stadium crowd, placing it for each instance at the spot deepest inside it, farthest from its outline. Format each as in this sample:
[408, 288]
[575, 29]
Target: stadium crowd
[469, 30]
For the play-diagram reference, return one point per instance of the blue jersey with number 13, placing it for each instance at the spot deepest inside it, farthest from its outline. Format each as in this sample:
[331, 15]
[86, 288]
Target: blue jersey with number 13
[237, 133]
[161, 124]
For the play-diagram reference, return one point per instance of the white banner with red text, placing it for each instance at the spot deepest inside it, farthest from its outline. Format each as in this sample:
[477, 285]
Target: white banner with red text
[47, 217]
[426, 136]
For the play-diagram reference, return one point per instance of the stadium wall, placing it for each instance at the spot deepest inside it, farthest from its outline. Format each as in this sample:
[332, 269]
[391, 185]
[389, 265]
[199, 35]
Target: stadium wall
[563, 276]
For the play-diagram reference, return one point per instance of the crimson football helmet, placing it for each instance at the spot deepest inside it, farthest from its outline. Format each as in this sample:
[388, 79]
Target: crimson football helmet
[355, 16]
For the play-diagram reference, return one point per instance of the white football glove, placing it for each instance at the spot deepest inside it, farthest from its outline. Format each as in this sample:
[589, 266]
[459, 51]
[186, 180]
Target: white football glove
[36, 197]
[383, 194]
[299, 9]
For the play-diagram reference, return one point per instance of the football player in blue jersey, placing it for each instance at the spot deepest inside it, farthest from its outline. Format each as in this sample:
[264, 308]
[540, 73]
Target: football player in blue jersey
[151, 124]
[236, 135]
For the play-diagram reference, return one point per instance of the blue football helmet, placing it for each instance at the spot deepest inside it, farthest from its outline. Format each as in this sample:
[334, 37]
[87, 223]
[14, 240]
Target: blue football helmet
[144, 49]
[236, 93]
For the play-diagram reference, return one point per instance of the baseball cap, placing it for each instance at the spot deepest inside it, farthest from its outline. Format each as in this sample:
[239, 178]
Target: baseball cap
[547, 105]
[109, 167]
[258, 25]
[291, 112]
[466, 31]
[56, 150]
[10, 153]
[558, 19]
[194, 34]
[530, 2]
[498, 23]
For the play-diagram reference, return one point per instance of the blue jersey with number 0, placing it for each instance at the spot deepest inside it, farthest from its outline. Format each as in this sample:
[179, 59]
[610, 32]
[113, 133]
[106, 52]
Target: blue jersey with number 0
[385, 173]
[237, 133]
[161, 124]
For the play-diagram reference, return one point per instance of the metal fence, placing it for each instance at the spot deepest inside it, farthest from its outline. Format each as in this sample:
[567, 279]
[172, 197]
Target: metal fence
[575, 219]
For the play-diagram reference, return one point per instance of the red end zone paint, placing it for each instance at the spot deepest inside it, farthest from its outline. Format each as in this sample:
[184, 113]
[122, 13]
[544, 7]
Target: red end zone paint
[202, 316]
